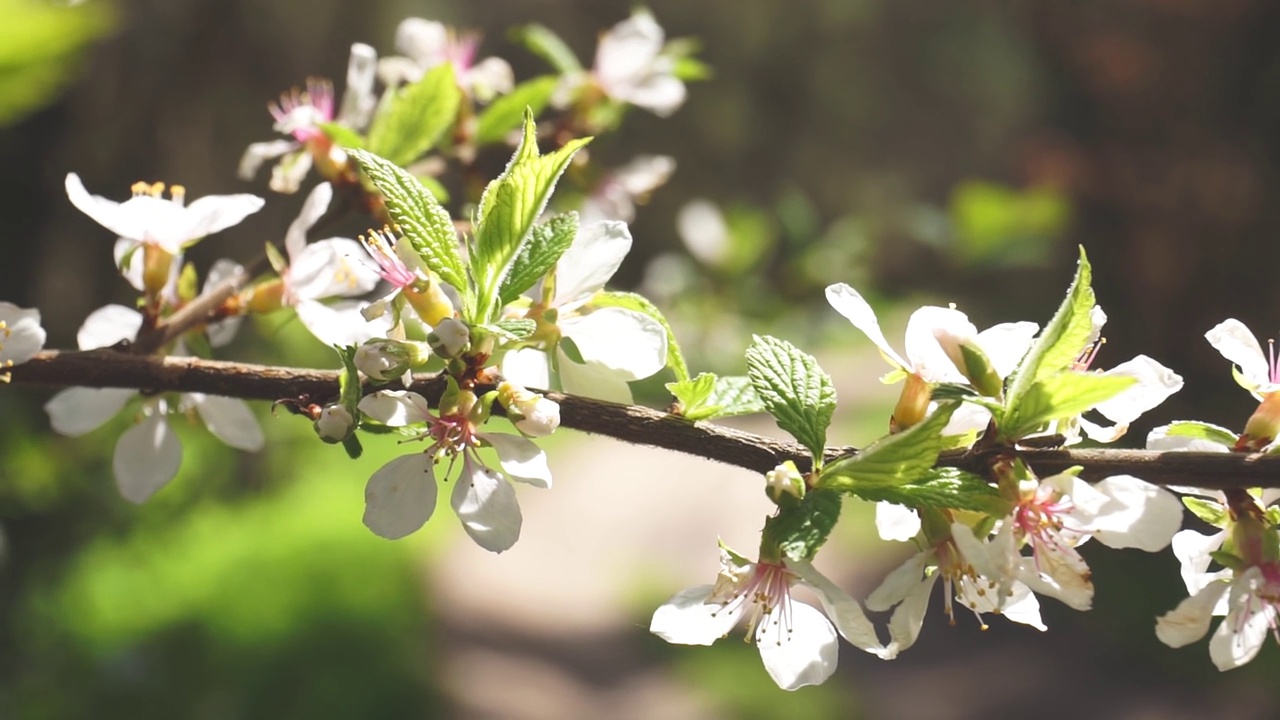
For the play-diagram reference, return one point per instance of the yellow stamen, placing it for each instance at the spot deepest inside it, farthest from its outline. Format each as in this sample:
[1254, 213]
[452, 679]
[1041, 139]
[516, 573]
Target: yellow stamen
[178, 193]
[140, 188]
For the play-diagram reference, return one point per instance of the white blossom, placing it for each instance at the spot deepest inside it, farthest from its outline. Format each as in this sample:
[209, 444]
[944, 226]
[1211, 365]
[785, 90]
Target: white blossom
[21, 335]
[425, 44]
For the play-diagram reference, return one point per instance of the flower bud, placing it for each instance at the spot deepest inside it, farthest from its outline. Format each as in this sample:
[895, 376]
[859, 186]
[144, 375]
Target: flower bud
[335, 423]
[449, 338]
[386, 360]
[1263, 425]
[784, 479]
[532, 414]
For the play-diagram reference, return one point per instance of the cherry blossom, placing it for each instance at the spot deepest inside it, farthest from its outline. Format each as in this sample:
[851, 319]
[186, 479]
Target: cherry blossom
[149, 454]
[632, 65]
[411, 283]
[616, 195]
[797, 642]
[21, 336]
[424, 44]
[401, 495]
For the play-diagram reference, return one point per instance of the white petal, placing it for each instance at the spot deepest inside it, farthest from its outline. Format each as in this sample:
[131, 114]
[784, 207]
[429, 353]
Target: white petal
[1155, 382]
[260, 152]
[906, 621]
[107, 213]
[339, 323]
[627, 51]
[489, 77]
[520, 458]
[659, 93]
[899, 583]
[486, 504]
[628, 342]
[288, 174]
[330, 268]
[1231, 338]
[396, 408]
[528, 367]
[230, 420]
[594, 381]
[1240, 635]
[1023, 607]
[107, 326]
[1160, 439]
[843, 610]
[146, 458]
[358, 98]
[896, 522]
[925, 354]
[806, 655]
[1137, 514]
[1189, 621]
[595, 255]
[850, 304]
[206, 216]
[400, 496]
[316, 204]
[21, 336]
[688, 619]
[966, 419]
[1059, 573]
[1006, 344]
[1194, 553]
[423, 40]
[78, 410]
[132, 249]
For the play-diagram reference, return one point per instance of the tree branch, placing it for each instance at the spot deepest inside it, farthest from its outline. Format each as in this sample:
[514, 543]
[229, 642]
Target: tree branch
[630, 423]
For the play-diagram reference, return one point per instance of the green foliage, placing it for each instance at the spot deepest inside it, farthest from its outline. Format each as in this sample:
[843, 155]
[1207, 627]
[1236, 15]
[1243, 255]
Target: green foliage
[906, 457]
[509, 207]
[998, 224]
[632, 301]
[512, 329]
[693, 395]
[543, 42]
[802, 525]
[735, 395]
[427, 226]
[1058, 346]
[1202, 431]
[411, 121]
[708, 396]
[943, 489]
[40, 44]
[1207, 510]
[1064, 395]
[342, 135]
[798, 394]
[548, 241]
[505, 113]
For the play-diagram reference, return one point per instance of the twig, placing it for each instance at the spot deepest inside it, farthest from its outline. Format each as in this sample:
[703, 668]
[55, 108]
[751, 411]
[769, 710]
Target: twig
[630, 423]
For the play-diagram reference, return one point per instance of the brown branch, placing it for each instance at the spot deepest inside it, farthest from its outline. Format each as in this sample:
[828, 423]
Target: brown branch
[634, 424]
[197, 312]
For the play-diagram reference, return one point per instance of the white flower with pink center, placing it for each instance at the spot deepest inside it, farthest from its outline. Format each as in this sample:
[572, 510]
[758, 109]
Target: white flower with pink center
[425, 44]
[1256, 371]
[797, 643]
[1251, 602]
[402, 269]
[401, 495]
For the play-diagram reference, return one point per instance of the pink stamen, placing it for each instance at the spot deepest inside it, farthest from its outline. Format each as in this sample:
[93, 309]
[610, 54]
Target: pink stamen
[300, 112]
[390, 267]
[768, 589]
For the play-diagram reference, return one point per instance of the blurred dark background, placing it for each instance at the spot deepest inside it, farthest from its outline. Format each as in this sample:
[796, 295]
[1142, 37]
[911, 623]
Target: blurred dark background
[940, 151]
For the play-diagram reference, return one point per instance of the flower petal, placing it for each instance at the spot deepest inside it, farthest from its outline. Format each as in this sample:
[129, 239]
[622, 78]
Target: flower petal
[258, 153]
[206, 216]
[339, 323]
[107, 213]
[628, 342]
[856, 310]
[521, 458]
[396, 408]
[906, 621]
[803, 654]
[1240, 635]
[1189, 621]
[147, 456]
[1023, 607]
[1160, 439]
[595, 255]
[899, 583]
[528, 367]
[78, 410]
[1006, 344]
[594, 381]
[486, 504]
[1136, 514]
[1155, 383]
[316, 204]
[358, 98]
[330, 268]
[107, 326]
[896, 522]
[21, 336]
[1231, 338]
[230, 420]
[925, 353]
[842, 609]
[688, 619]
[1194, 552]
[400, 496]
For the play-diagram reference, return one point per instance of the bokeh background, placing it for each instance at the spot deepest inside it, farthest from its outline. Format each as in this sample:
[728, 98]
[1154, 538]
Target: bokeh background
[928, 151]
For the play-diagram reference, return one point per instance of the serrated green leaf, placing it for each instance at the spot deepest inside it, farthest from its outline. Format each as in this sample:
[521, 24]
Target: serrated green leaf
[1207, 510]
[504, 114]
[342, 135]
[544, 43]
[547, 242]
[1060, 396]
[1059, 345]
[798, 394]
[509, 207]
[802, 526]
[416, 116]
[1202, 431]
[897, 459]
[693, 395]
[640, 304]
[735, 395]
[513, 329]
[427, 226]
[941, 489]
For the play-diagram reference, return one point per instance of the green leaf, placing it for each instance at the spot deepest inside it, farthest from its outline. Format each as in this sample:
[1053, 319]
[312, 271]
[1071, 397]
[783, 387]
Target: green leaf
[941, 489]
[425, 224]
[794, 390]
[1064, 395]
[544, 43]
[692, 396]
[906, 457]
[735, 395]
[509, 207]
[1207, 510]
[342, 135]
[802, 526]
[504, 114]
[512, 329]
[1202, 431]
[547, 242]
[416, 116]
[638, 303]
[1060, 343]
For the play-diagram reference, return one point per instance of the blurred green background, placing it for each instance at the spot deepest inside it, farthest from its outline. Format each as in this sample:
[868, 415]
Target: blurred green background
[925, 152]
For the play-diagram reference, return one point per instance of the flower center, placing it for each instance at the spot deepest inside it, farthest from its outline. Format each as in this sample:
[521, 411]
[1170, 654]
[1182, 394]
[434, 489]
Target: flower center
[1086, 358]
[960, 579]
[300, 112]
[452, 434]
[177, 193]
[1040, 519]
[766, 589]
[391, 268]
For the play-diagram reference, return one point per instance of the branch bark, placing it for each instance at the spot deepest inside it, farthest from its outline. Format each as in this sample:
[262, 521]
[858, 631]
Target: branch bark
[630, 423]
